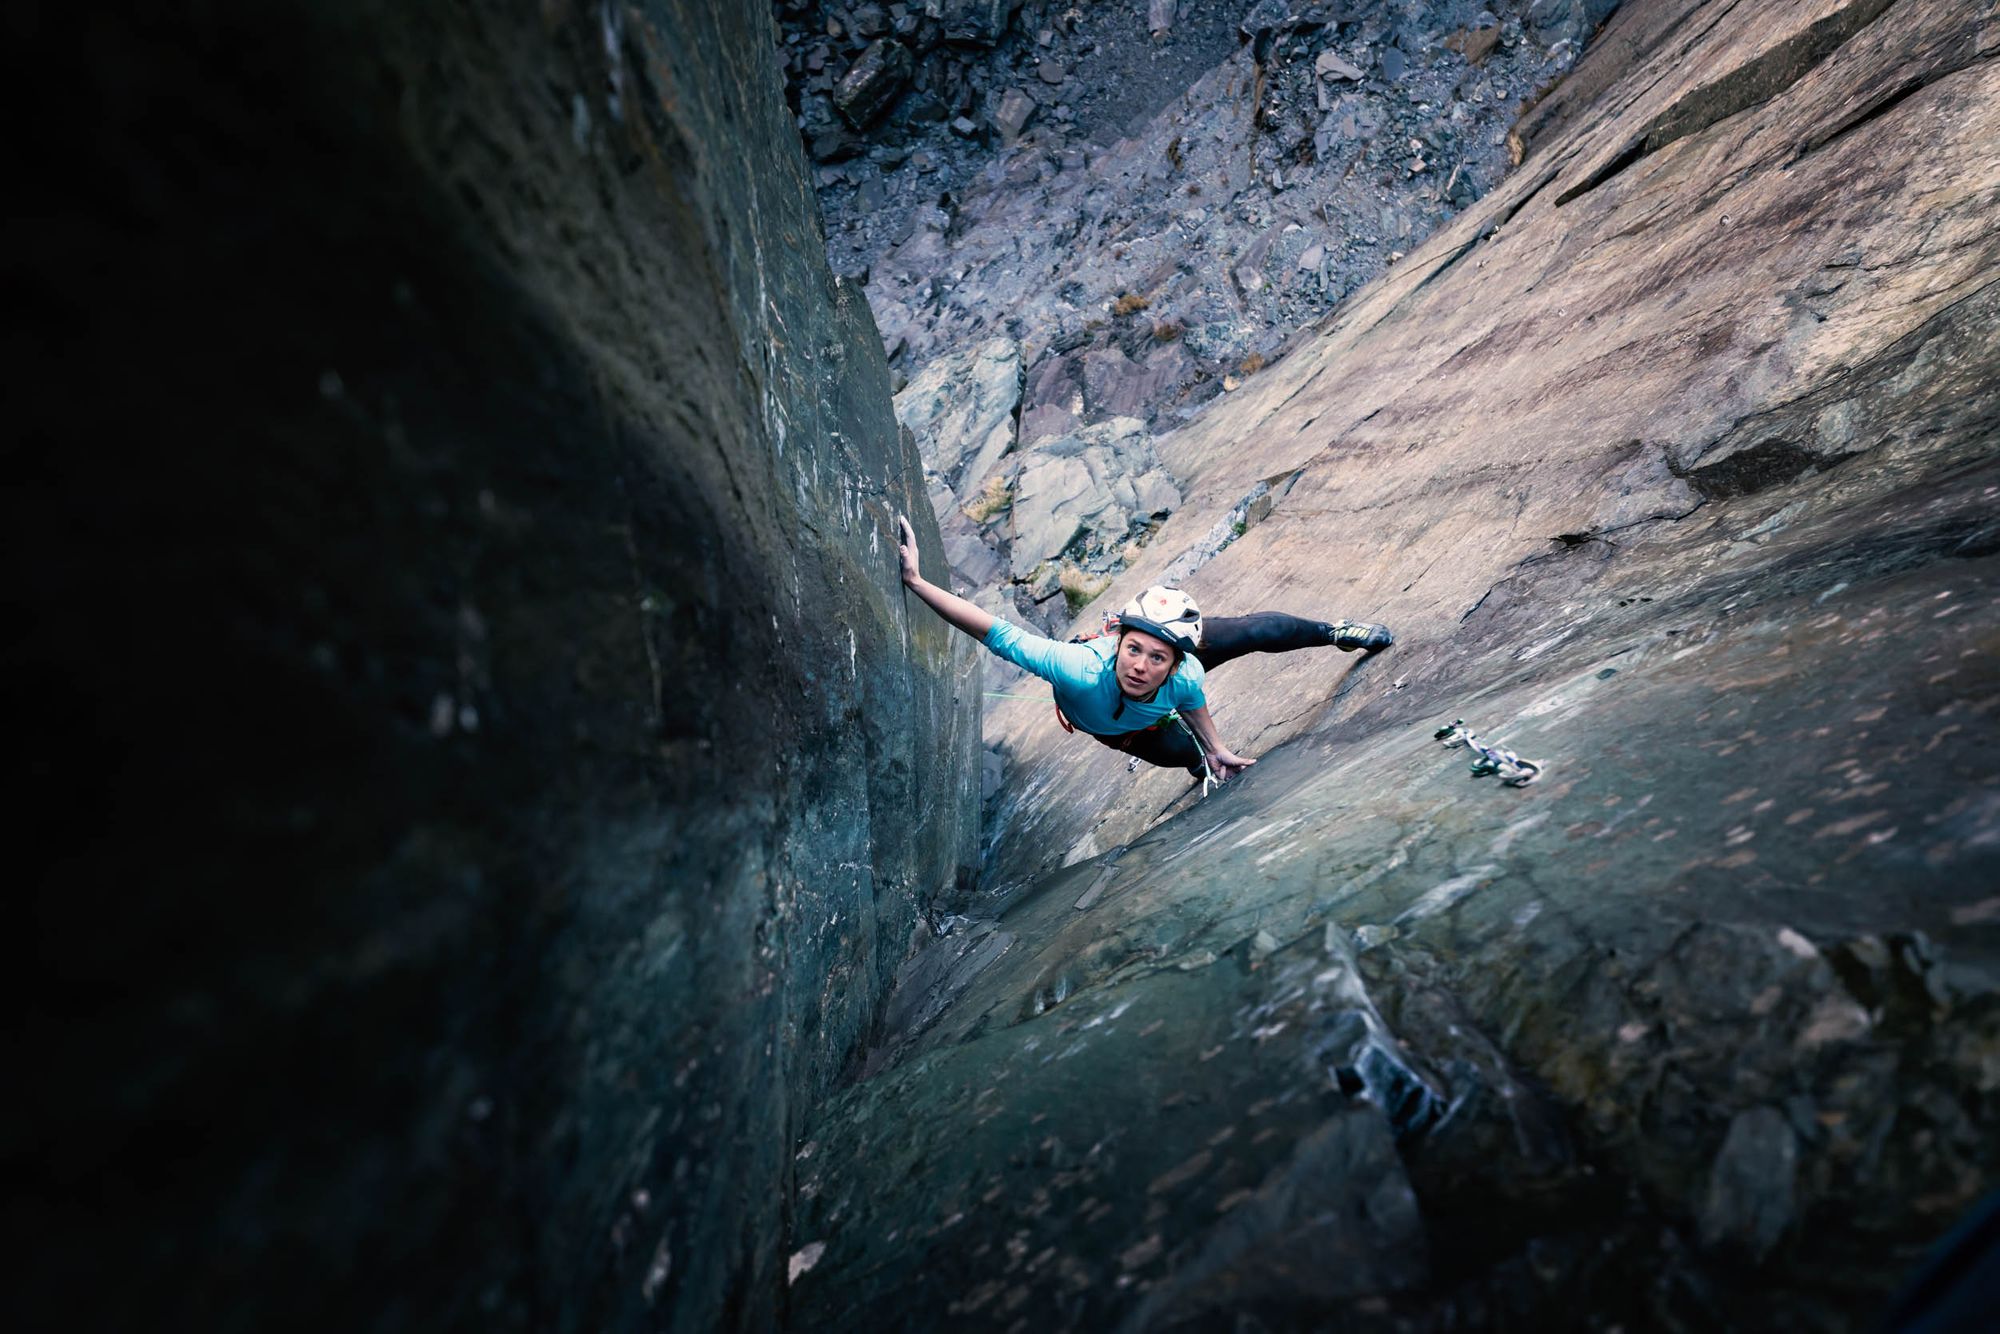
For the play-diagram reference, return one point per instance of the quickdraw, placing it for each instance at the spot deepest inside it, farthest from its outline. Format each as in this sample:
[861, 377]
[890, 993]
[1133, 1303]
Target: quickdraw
[1513, 770]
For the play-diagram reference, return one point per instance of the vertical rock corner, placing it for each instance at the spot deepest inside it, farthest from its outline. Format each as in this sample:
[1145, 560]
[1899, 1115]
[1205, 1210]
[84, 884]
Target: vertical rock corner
[485, 775]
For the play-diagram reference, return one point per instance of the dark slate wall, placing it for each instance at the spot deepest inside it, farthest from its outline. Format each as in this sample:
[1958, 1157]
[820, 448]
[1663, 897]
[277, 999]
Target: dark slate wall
[483, 774]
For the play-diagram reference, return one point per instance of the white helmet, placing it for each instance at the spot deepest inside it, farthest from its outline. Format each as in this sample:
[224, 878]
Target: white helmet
[1165, 613]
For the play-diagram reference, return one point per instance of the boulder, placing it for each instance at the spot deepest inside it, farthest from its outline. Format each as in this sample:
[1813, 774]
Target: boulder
[1012, 114]
[1748, 1203]
[872, 83]
[977, 22]
[1052, 398]
[1264, 16]
[1331, 65]
[1054, 498]
[1475, 44]
[871, 20]
[1045, 422]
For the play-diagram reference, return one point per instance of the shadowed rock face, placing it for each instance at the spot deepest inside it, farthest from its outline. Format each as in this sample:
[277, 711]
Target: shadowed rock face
[1672, 464]
[482, 779]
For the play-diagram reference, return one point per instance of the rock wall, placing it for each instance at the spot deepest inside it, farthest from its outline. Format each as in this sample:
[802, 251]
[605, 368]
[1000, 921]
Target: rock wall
[482, 776]
[1200, 182]
[1672, 464]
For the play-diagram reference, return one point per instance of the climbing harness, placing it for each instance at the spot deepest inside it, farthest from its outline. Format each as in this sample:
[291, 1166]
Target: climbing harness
[1513, 770]
[1132, 763]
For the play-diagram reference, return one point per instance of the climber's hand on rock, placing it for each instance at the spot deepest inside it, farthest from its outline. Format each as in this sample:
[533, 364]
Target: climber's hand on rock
[906, 549]
[1226, 764]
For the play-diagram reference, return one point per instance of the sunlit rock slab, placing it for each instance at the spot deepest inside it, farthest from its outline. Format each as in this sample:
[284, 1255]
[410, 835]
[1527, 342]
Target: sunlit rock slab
[1683, 488]
[1719, 324]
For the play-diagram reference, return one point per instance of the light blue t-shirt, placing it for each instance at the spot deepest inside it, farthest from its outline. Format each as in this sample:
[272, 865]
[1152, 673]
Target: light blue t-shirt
[1086, 680]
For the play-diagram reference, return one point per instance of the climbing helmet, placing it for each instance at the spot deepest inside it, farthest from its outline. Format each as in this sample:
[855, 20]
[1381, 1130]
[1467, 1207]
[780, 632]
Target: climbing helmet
[1165, 613]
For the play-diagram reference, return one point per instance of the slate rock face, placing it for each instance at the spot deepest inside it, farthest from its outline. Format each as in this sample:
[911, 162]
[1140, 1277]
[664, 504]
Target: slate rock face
[961, 413]
[1191, 169]
[1071, 497]
[1671, 463]
[495, 777]
[1150, 211]
[1087, 494]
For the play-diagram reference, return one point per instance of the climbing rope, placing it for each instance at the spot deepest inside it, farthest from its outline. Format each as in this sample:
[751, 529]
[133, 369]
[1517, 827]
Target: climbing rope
[1208, 778]
[1513, 770]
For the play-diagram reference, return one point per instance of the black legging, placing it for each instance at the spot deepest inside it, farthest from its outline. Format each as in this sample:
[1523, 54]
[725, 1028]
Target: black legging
[1226, 638]
[1223, 639]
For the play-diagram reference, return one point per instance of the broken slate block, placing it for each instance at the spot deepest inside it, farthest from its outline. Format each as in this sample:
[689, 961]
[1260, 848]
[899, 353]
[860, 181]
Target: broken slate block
[871, 20]
[1016, 109]
[877, 77]
[1749, 1201]
[1475, 44]
[977, 22]
[1331, 66]
[1264, 16]
[834, 145]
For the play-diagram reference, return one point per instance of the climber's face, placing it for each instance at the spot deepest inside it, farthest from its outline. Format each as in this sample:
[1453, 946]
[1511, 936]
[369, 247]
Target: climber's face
[1144, 662]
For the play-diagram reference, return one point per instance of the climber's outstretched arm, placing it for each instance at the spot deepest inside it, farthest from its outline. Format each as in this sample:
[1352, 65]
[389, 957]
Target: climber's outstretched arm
[950, 606]
[1224, 762]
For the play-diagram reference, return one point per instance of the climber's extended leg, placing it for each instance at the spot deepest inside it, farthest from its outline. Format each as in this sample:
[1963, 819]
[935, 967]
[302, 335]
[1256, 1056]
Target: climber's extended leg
[1227, 637]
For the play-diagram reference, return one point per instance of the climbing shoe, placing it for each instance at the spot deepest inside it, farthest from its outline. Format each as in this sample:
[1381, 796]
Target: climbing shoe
[1348, 636]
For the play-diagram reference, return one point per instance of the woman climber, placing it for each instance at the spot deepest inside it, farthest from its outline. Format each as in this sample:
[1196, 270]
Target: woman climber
[1141, 691]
